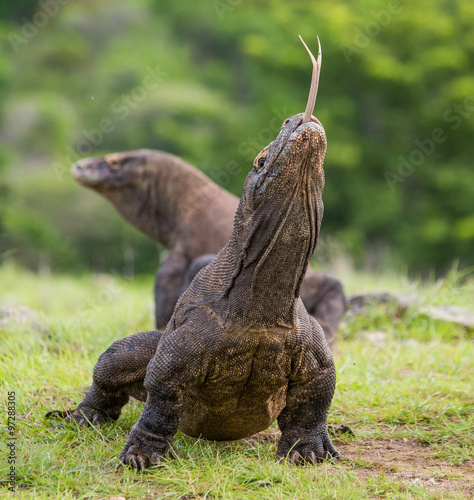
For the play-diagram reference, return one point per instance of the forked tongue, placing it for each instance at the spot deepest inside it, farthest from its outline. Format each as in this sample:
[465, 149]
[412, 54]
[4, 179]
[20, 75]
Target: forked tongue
[313, 91]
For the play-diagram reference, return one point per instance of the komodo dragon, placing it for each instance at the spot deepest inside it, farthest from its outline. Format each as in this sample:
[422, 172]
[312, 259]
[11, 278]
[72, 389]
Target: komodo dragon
[177, 205]
[240, 349]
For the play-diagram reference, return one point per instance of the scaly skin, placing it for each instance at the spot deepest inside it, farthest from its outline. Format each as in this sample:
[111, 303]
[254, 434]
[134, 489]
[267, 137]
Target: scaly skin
[178, 206]
[240, 349]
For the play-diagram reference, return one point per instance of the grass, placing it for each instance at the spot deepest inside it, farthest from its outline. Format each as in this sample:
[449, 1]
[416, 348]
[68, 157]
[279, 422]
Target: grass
[405, 384]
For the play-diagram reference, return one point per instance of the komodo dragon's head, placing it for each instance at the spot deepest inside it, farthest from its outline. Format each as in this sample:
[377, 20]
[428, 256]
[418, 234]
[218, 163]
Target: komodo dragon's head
[112, 171]
[280, 213]
[130, 181]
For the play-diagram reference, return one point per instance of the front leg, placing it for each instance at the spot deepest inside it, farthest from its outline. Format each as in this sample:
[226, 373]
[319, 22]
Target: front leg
[303, 422]
[151, 437]
[302, 444]
[176, 365]
[118, 374]
[169, 280]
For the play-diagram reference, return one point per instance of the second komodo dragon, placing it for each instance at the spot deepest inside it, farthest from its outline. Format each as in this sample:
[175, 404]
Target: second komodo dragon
[240, 349]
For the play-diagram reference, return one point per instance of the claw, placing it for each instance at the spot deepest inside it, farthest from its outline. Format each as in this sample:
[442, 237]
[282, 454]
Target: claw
[132, 462]
[295, 457]
[57, 413]
[313, 91]
[155, 460]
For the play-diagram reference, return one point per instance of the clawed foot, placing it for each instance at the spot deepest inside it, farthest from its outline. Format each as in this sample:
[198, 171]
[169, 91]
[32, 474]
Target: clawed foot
[144, 449]
[306, 446]
[342, 429]
[82, 416]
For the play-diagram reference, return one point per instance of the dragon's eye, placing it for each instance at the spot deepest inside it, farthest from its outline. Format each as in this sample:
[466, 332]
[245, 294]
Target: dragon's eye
[114, 165]
[285, 122]
[261, 162]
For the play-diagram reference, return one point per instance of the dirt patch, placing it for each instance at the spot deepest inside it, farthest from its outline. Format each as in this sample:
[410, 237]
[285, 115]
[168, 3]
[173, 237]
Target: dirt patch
[408, 462]
[403, 460]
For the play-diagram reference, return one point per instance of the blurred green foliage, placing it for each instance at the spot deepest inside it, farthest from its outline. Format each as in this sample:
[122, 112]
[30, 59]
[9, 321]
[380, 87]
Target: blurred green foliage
[212, 82]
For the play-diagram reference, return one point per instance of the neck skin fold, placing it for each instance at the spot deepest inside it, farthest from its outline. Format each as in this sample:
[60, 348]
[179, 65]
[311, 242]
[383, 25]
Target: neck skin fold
[266, 281]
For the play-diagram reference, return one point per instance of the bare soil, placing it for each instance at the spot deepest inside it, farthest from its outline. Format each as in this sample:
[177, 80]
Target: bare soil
[407, 461]
[403, 460]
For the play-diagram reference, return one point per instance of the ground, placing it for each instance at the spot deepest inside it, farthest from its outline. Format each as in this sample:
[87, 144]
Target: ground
[405, 385]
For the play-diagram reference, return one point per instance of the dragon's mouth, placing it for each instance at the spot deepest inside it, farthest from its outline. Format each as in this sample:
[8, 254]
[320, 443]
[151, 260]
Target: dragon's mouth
[91, 172]
[311, 120]
[305, 131]
[99, 172]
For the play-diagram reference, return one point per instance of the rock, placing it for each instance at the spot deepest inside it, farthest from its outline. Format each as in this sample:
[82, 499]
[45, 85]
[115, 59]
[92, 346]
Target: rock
[360, 303]
[20, 315]
[451, 314]
[377, 339]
